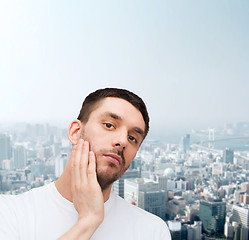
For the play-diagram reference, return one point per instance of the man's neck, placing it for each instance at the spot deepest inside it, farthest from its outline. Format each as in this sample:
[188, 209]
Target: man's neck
[63, 186]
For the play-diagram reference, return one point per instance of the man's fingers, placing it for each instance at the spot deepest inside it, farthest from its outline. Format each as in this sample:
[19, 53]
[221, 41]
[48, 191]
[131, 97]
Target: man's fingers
[72, 157]
[92, 167]
[84, 161]
[76, 163]
[83, 165]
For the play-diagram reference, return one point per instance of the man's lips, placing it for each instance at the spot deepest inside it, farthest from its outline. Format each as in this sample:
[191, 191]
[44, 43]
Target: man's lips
[116, 159]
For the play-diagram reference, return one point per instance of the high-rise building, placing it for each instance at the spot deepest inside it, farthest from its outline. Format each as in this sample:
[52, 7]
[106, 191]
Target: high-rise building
[20, 157]
[60, 163]
[211, 138]
[145, 194]
[245, 187]
[236, 231]
[217, 169]
[240, 215]
[133, 186]
[244, 198]
[212, 215]
[239, 232]
[136, 164]
[185, 142]
[244, 234]
[194, 230]
[5, 148]
[175, 229]
[191, 213]
[153, 202]
[237, 195]
[228, 155]
[162, 183]
[118, 186]
[228, 230]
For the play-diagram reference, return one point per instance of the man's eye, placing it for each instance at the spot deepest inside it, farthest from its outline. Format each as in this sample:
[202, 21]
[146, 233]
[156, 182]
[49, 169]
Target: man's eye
[132, 139]
[108, 125]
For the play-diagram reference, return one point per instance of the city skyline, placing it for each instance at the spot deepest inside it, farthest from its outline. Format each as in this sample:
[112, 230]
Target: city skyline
[188, 61]
[231, 130]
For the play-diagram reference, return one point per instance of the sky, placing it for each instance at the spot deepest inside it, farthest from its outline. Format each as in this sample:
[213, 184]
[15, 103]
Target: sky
[188, 60]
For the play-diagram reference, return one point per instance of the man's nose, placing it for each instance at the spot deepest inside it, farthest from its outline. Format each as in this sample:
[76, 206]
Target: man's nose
[120, 140]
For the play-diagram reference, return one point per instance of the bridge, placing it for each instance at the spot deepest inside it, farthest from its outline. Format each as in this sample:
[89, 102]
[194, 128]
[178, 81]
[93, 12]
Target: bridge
[213, 150]
[223, 139]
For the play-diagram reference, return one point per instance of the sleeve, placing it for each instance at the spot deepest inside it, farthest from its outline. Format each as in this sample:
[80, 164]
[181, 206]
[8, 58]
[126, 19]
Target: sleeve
[8, 221]
[164, 232]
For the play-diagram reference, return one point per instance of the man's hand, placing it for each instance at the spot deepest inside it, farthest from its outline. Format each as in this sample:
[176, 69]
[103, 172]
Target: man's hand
[87, 195]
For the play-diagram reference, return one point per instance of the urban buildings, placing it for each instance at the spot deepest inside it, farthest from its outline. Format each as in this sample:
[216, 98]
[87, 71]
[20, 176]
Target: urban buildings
[118, 186]
[5, 148]
[228, 155]
[145, 194]
[20, 157]
[241, 215]
[212, 215]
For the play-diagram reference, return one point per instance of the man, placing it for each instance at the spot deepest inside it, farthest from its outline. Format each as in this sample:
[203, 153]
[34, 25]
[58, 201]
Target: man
[106, 137]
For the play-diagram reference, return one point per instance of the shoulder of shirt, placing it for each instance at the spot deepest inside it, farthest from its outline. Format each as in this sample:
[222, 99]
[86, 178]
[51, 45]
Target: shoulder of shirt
[140, 217]
[136, 212]
[34, 192]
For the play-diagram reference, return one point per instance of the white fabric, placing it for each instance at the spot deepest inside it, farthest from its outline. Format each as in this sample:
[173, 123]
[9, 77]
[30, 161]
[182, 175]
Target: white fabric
[42, 213]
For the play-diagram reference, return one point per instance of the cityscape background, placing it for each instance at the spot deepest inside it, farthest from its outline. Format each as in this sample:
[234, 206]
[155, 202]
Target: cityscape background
[187, 60]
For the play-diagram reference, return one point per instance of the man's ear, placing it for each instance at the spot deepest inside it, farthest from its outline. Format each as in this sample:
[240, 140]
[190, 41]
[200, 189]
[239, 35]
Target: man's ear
[74, 131]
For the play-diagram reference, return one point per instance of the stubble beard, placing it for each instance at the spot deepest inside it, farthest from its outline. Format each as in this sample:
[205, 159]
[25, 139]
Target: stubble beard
[113, 172]
[105, 179]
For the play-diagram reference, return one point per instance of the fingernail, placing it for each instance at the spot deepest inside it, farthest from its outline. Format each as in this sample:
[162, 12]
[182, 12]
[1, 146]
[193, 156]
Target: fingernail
[91, 153]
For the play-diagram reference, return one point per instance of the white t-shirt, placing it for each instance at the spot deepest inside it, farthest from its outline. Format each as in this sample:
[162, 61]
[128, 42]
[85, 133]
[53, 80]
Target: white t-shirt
[42, 213]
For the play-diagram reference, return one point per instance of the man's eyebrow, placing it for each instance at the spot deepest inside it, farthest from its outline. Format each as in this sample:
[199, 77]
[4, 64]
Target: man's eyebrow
[112, 115]
[139, 131]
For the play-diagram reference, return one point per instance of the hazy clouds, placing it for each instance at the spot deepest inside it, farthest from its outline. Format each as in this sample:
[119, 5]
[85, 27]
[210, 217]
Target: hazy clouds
[188, 60]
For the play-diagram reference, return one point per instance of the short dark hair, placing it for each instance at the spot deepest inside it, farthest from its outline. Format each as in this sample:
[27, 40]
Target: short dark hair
[91, 103]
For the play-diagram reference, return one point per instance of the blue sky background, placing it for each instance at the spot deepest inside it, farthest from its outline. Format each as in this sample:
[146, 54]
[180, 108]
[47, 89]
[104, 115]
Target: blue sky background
[189, 60]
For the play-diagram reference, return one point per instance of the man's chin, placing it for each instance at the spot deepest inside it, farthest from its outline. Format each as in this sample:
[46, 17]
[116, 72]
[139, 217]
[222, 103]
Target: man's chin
[106, 178]
[105, 183]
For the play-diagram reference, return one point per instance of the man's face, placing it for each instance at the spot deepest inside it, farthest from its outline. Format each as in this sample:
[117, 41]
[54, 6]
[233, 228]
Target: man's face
[115, 131]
